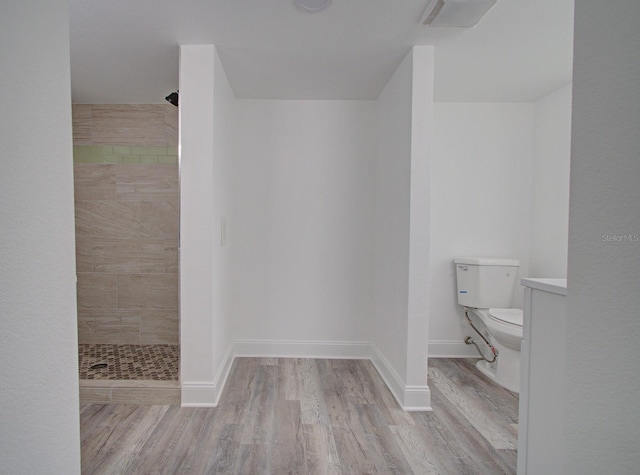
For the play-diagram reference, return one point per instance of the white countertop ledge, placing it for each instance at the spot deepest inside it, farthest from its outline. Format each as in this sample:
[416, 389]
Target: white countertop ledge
[554, 286]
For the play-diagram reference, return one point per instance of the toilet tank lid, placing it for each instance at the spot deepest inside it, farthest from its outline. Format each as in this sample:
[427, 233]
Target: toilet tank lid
[487, 261]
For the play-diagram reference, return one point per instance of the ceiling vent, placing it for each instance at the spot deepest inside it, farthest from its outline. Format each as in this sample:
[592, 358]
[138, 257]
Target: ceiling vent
[312, 6]
[455, 13]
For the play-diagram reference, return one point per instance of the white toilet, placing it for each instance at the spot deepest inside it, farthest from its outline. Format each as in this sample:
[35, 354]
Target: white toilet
[485, 288]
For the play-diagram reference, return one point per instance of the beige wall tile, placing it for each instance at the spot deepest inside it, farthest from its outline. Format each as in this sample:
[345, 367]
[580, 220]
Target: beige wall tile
[113, 233]
[142, 182]
[129, 256]
[81, 120]
[125, 124]
[94, 181]
[148, 291]
[149, 135]
[171, 257]
[159, 327]
[107, 219]
[96, 290]
[160, 219]
[109, 326]
[84, 255]
[171, 125]
[128, 115]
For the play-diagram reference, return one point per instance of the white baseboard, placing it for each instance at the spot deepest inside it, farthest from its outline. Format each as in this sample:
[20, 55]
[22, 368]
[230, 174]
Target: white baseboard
[198, 394]
[302, 349]
[207, 393]
[410, 398]
[451, 349]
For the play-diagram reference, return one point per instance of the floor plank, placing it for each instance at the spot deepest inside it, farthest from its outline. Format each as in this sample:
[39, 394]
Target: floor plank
[311, 416]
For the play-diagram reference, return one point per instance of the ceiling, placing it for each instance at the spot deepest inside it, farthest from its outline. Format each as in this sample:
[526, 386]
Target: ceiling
[125, 51]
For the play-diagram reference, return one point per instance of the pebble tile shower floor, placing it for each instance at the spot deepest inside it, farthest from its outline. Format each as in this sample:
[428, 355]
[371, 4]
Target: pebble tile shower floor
[128, 362]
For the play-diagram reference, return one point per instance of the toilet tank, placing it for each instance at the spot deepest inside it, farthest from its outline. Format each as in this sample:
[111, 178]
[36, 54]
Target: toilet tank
[486, 282]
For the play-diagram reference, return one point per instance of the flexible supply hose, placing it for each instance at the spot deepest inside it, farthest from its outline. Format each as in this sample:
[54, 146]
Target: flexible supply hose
[468, 340]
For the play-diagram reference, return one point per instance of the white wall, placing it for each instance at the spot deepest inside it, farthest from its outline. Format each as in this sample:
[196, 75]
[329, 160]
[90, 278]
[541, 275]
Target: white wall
[480, 203]
[39, 432]
[297, 183]
[393, 186]
[602, 405]
[224, 123]
[206, 121]
[416, 394]
[302, 220]
[400, 303]
[550, 203]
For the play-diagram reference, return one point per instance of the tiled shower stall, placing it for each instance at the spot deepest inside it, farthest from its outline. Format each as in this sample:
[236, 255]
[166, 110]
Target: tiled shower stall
[127, 231]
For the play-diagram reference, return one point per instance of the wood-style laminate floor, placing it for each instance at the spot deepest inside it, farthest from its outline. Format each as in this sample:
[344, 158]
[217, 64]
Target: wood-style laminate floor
[311, 416]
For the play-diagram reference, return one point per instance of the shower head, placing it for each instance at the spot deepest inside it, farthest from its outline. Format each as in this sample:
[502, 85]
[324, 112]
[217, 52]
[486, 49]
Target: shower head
[172, 98]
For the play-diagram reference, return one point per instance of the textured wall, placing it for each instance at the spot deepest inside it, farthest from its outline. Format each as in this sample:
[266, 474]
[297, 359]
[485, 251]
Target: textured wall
[127, 223]
[602, 418]
[40, 427]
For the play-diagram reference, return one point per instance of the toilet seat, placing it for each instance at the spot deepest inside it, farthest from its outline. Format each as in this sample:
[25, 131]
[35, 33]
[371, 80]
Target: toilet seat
[510, 316]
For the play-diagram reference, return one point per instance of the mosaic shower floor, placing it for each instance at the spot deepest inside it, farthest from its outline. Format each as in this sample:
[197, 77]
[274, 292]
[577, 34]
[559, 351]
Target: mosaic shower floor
[128, 362]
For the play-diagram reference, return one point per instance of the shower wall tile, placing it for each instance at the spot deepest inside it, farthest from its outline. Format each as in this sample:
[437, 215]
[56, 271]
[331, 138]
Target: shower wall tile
[108, 325]
[129, 256]
[148, 291]
[148, 135]
[84, 255]
[125, 124]
[167, 160]
[81, 122]
[96, 290]
[171, 126]
[160, 218]
[171, 257]
[107, 219]
[159, 326]
[94, 182]
[127, 222]
[115, 154]
[129, 115]
[134, 124]
[139, 182]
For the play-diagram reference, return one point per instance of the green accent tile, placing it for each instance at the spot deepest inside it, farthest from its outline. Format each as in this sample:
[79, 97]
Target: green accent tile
[148, 160]
[172, 151]
[91, 159]
[121, 149]
[82, 151]
[107, 150]
[166, 160]
[137, 150]
[130, 159]
[157, 150]
[112, 159]
[95, 151]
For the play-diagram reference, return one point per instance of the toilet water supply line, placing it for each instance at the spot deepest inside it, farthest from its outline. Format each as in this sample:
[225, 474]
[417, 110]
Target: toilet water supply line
[469, 341]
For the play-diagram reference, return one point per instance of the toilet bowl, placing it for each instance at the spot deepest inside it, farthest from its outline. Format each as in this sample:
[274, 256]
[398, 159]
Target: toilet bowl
[504, 328]
[485, 289]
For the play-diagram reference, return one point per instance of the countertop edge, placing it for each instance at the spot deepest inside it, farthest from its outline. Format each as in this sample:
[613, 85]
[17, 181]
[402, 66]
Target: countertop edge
[554, 286]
